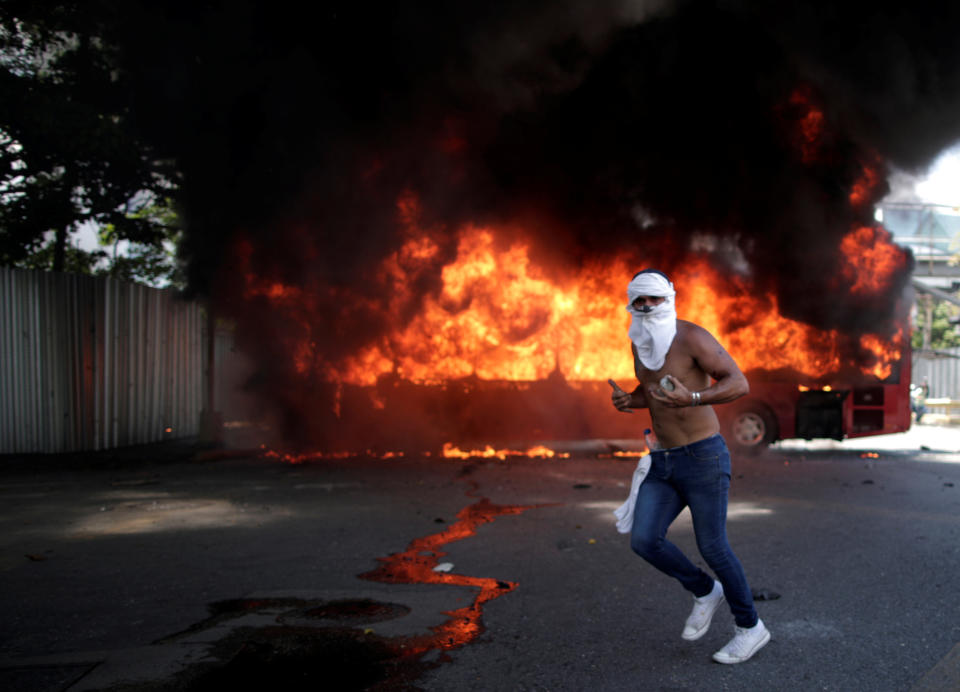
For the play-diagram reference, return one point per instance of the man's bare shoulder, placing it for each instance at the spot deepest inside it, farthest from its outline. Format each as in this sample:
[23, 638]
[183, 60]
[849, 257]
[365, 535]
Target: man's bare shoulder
[689, 330]
[695, 340]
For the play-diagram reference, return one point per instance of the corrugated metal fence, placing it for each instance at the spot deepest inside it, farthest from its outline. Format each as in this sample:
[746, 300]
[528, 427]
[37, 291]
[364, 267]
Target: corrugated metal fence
[90, 363]
[942, 372]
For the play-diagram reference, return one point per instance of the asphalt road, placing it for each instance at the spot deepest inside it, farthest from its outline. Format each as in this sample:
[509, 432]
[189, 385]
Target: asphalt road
[158, 569]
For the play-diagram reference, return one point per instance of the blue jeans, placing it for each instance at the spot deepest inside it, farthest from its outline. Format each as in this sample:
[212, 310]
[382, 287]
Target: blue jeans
[698, 476]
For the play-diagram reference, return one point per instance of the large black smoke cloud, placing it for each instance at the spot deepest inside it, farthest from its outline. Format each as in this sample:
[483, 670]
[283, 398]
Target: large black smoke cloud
[612, 126]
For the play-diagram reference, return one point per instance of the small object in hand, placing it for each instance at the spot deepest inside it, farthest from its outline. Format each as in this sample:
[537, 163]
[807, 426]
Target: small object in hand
[666, 383]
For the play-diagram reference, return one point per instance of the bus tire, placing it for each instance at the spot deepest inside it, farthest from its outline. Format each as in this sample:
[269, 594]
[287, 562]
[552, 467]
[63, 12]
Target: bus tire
[751, 427]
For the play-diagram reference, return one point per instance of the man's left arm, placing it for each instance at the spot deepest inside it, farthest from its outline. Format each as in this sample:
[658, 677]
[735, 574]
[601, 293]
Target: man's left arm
[729, 382]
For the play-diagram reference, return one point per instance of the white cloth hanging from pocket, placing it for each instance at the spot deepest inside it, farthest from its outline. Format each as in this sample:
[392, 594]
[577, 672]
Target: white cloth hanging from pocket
[624, 513]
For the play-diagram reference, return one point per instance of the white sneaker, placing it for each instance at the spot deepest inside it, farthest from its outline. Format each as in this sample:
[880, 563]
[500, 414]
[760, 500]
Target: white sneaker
[703, 609]
[745, 643]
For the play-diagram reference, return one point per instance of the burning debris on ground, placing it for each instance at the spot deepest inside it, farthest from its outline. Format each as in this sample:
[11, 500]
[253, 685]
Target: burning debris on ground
[412, 196]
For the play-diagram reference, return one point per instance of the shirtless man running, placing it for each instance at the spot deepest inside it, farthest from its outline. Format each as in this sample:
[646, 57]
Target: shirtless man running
[675, 362]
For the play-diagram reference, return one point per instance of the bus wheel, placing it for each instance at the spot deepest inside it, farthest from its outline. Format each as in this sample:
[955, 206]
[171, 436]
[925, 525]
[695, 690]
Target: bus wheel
[751, 428]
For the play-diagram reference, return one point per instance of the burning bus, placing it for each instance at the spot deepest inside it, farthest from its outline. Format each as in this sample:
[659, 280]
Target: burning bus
[505, 350]
[456, 274]
[483, 331]
[841, 405]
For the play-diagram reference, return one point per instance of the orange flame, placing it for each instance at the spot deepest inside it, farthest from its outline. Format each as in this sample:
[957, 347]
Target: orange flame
[886, 352]
[499, 316]
[811, 133]
[416, 565]
[521, 326]
[865, 186]
[488, 452]
[304, 457]
[811, 124]
[625, 454]
[871, 259]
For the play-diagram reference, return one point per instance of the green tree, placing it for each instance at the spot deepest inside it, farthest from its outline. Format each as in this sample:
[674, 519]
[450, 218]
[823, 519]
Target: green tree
[151, 263]
[75, 260]
[70, 152]
[936, 324]
[147, 263]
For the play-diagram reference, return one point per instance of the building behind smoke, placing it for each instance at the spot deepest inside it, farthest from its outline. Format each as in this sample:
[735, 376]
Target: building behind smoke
[932, 232]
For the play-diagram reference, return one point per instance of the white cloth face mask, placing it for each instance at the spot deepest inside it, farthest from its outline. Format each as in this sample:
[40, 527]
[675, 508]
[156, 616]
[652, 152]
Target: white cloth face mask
[653, 326]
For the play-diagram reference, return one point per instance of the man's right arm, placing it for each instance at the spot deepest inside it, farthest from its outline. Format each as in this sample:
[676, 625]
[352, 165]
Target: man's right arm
[625, 401]
[638, 399]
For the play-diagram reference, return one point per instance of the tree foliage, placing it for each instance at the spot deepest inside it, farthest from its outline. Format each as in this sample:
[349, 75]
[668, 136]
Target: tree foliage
[70, 150]
[151, 263]
[942, 328]
[154, 264]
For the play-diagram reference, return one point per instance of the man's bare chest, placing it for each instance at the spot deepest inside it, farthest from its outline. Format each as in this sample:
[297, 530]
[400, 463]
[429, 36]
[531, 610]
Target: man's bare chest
[678, 363]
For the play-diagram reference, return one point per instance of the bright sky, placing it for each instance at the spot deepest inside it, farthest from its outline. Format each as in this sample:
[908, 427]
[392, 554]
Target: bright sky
[942, 182]
[86, 237]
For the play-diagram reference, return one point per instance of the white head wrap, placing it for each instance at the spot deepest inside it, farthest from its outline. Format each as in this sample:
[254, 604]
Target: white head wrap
[652, 332]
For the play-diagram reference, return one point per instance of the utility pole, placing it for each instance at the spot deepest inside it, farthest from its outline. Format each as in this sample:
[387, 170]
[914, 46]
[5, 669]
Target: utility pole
[211, 421]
